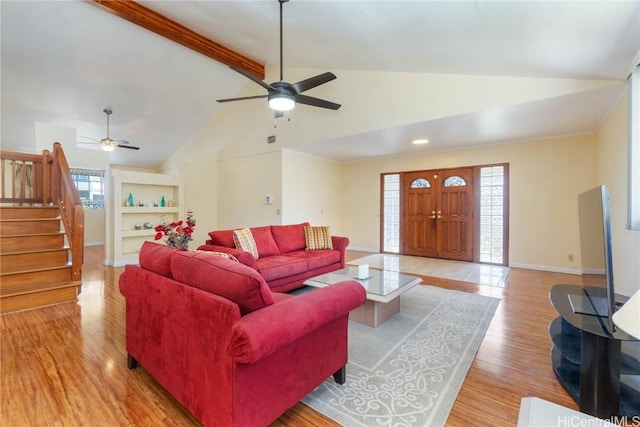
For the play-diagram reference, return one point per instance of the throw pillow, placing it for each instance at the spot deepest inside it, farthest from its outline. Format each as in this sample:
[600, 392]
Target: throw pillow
[232, 280]
[317, 238]
[244, 241]
[289, 238]
[156, 257]
[264, 241]
[222, 238]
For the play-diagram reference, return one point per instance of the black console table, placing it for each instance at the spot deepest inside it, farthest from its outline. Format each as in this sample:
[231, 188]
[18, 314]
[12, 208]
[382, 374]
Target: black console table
[588, 360]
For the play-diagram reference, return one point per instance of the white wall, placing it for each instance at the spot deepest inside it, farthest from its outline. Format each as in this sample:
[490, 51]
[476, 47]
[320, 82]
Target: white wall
[96, 225]
[312, 188]
[545, 178]
[243, 184]
[611, 170]
[379, 100]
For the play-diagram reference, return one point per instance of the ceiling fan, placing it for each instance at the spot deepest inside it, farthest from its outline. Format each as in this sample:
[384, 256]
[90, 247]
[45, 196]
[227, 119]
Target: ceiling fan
[108, 144]
[283, 96]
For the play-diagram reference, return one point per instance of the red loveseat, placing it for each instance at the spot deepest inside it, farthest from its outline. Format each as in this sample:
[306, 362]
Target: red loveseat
[283, 261]
[212, 333]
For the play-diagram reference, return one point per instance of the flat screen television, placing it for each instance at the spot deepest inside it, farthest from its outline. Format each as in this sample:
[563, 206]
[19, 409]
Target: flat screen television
[596, 258]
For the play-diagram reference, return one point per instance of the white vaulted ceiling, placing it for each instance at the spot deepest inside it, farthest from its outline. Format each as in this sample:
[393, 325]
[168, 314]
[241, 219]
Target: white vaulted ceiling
[63, 62]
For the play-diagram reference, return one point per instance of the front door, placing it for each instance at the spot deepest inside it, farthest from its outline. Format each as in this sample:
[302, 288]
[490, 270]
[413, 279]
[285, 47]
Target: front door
[419, 226]
[438, 213]
[454, 216]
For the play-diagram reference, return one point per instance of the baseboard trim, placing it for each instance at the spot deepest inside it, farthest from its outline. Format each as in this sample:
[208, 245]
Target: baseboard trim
[550, 268]
[94, 244]
[110, 263]
[362, 249]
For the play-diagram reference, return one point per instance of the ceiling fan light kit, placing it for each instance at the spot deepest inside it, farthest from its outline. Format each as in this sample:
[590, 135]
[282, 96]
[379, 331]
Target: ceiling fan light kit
[281, 102]
[283, 96]
[108, 144]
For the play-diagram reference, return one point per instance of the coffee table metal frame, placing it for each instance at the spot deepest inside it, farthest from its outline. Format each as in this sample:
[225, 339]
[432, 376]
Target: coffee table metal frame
[383, 287]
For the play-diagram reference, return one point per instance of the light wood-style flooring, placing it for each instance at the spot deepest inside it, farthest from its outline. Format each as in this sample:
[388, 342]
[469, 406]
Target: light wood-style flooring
[65, 365]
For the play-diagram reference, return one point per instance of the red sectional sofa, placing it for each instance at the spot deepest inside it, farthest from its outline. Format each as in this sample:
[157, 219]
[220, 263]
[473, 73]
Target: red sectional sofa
[283, 261]
[212, 333]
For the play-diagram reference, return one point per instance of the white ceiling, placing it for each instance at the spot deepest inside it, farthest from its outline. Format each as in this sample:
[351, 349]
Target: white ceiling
[64, 61]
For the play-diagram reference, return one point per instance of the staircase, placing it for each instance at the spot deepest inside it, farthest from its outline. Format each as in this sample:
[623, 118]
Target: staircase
[41, 233]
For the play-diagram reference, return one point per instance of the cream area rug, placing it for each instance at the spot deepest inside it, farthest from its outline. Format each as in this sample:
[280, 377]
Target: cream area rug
[408, 371]
[481, 274]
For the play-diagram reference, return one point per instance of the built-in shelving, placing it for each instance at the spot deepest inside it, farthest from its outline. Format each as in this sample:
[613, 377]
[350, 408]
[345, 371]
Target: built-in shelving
[146, 189]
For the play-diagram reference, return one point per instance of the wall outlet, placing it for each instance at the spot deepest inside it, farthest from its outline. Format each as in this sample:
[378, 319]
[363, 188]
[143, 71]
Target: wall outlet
[570, 257]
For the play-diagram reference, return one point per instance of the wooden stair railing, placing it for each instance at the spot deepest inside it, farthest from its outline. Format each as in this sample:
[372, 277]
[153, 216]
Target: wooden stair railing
[65, 195]
[45, 181]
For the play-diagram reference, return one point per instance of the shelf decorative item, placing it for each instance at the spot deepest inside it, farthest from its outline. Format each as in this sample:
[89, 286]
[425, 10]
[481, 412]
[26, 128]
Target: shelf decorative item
[162, 202]
[131, 200]
[177, 233]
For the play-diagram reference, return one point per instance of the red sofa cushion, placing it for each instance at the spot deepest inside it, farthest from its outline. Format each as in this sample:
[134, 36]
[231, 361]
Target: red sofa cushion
[289, 238]
[264, 241]
[156, 257]
[277, 266]
[229, 279]
[318, 258]
[292, 319]
[222, 238]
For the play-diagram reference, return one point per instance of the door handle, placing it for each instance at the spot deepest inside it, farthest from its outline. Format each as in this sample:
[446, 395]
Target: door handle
[433, 215]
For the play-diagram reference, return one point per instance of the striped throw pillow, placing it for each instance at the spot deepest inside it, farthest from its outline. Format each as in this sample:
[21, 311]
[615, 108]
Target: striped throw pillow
[243, 239]
[317, 238]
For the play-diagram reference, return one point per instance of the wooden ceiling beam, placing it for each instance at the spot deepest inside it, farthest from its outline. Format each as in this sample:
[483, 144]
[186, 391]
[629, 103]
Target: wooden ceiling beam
[153, 21]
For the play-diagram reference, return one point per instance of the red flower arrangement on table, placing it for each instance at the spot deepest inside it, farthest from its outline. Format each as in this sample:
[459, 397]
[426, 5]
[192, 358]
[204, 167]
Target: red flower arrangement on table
[178, 233]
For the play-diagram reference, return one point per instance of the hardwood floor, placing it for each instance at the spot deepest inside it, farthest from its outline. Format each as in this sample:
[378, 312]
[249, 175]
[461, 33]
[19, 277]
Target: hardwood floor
[65, 365]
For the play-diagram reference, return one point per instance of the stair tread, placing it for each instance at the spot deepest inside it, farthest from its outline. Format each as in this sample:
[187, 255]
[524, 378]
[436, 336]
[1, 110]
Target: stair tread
[10, 205]
[45, 287]
[57, 218]
[37, 251]
[52, 233]
[37, 269]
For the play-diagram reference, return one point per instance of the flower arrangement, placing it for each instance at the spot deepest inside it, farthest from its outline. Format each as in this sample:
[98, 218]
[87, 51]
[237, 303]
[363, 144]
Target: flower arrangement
[178, 233]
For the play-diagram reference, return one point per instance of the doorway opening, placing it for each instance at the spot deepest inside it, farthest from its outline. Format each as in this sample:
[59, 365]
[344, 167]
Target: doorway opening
[457, 213]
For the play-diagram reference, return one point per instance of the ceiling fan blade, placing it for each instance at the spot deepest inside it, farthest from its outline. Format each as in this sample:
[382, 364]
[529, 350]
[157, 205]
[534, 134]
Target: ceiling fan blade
[88, 144]
[88, 137]
[312, 82]
[242, 98]
[131, 147]
[252, 77]
[316, 102]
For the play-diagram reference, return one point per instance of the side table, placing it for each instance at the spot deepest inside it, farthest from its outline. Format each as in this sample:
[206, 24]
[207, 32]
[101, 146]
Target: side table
[588, 361]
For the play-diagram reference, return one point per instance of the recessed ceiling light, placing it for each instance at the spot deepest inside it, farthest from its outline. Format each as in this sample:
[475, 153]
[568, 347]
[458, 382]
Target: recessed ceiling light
[420, 141]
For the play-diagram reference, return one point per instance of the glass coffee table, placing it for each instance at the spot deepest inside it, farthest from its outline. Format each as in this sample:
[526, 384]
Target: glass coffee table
[383, 287]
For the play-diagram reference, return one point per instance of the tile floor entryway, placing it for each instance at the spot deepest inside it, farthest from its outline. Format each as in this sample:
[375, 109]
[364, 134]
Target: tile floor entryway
[481, 274]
